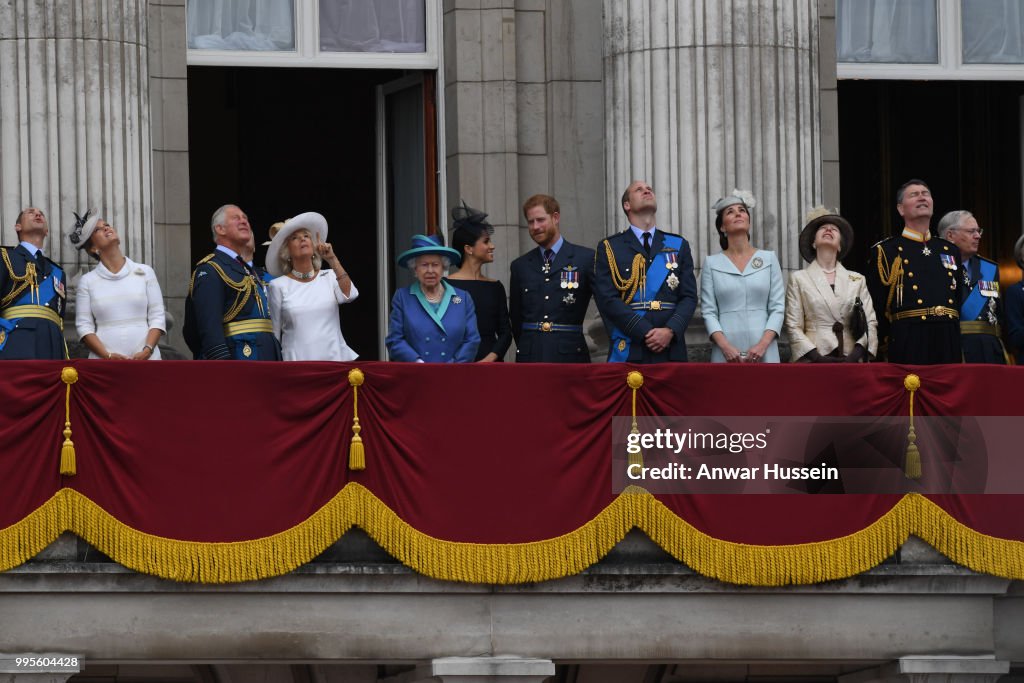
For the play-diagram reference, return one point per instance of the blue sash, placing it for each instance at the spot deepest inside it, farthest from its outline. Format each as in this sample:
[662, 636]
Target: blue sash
[975, 301]
[657, 271]
[47, 290]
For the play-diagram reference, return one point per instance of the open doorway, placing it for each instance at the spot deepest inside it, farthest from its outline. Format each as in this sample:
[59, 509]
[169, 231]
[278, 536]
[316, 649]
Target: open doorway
[962, 137]
[278, 142]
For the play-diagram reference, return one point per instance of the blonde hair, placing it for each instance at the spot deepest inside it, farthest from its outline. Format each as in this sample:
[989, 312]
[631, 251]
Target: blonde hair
[285, 259]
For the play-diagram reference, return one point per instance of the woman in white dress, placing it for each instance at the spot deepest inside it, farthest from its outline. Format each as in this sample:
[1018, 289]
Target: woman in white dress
[303, 298]
[742, 296]
[119, 310]
[829, 314]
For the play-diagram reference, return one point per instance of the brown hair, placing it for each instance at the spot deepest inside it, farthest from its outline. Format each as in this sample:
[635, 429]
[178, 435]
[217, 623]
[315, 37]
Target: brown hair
[549, 203]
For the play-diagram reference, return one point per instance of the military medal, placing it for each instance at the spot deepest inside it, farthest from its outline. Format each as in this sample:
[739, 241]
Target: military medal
[3, 337]
[546, 268]
[757, 262]
[456, 299]
[622, 345]
[987, 288]
[672, 281]
[569, 299]
[926, 251]
[570, 278]
[672, 260]
[948, 261]
[967, 278]
[246, 350]
[59, 287]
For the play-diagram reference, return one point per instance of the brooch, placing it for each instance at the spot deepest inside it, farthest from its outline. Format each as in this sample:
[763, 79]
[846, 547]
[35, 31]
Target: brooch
[757, 262]
[456, 299]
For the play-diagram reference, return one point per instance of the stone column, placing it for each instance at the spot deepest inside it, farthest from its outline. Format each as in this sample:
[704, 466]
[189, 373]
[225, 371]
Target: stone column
[481, 127]
[934, 669]
[74, 118]
[503, 669]
[706, 95]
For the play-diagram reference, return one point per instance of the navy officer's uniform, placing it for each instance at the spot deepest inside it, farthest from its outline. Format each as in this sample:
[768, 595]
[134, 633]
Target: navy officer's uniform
[548, 302]
[226, 312]
[637, 290]
[32, 301]
[915, 287]
[981, 313]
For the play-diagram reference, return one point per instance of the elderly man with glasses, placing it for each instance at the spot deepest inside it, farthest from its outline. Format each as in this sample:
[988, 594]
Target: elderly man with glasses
[981, 307]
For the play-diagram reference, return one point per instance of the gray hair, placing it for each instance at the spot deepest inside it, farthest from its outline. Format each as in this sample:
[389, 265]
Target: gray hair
[218, 218]
[411, 263]
[951, 221]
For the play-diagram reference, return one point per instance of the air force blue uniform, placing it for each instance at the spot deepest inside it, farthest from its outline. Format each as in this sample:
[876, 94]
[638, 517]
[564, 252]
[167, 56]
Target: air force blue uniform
[547, 307]
[226, 312]
[981, 313]
[662, 294]
[32, 301]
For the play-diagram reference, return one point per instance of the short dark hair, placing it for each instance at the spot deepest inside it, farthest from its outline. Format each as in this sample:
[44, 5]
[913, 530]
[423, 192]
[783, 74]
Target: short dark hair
[549, 203]
[904, 186]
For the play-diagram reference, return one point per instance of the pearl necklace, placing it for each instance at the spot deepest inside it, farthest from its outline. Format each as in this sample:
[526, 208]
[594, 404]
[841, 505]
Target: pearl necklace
[303, 276]
[435, 300]
[828, 272]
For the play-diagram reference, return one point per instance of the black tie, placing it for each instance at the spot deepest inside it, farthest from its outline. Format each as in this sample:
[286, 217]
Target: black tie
[40, 262]
[647, 244]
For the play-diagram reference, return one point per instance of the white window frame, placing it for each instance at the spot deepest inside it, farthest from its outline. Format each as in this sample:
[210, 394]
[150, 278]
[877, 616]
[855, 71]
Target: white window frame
[307, 51]
[949, 24]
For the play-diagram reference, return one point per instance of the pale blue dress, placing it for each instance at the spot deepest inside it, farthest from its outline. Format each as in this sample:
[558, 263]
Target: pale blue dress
[743, 305]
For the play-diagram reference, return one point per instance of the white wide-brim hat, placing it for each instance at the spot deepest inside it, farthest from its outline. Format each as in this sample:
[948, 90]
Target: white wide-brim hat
[311, 221]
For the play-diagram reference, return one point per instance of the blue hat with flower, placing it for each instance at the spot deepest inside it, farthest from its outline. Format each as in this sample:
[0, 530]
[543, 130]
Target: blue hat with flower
[429, 244]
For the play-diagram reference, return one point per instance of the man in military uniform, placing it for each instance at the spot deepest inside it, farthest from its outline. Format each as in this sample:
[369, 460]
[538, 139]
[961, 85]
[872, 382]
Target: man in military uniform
[914, 280]
[981, 311]
[32, 295]
[226, 312]
[549, 290]
[644, 285]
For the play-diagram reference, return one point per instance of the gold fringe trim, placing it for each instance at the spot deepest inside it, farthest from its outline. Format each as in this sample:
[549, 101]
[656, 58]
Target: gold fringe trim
[571, 553]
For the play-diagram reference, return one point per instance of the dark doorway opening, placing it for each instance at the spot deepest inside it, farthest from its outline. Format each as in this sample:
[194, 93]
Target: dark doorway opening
[963, 138]
[278, 142]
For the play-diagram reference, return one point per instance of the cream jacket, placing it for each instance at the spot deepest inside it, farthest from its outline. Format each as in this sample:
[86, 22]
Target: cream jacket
[812, 308]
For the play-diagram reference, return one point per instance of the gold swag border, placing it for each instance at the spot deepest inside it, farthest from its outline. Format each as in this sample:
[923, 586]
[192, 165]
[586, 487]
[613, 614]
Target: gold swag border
[561, 556]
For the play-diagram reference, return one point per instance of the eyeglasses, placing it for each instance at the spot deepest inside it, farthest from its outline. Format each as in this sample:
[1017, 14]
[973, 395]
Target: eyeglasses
[979, 232]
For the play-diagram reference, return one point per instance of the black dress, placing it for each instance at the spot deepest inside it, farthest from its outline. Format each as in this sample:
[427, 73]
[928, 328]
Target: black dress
[492, 321]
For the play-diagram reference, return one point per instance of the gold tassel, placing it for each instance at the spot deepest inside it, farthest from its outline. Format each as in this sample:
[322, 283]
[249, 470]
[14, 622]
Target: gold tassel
[68, 467]
[635, 380]
[356, 452]
[912, 464]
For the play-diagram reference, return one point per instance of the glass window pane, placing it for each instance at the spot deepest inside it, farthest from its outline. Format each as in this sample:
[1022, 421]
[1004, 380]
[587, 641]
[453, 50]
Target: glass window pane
[993, 31]
[262, 25]
[373, 26]
[887, 31]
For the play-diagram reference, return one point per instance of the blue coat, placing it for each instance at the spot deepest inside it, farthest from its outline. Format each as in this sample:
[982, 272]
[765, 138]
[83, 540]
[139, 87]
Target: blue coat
[29, 337]
[743, 305]
[620, 319]
[416, 333]
[538, 297]
[1015, 319]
